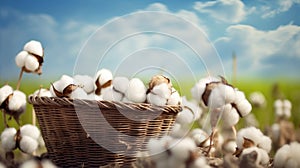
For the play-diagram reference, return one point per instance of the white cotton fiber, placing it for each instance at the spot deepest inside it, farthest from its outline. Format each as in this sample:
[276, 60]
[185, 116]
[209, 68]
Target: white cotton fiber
[175, 98]
[162, 90]
[28, 144]
[78, 93]
[181, 148]
[48, 164]
[193, 105]
[230, 117]
[31, 63]
[86, 82]
[103, 76]
[20, 59]
[136, 91]
[110, 94]
[156, 99]
[265, 143]
[244, 107]
[5, 91]
[34, 47]
[199, 136]
[185, 117]
[29, 164]
[31, 131]
[251, 133]
[281, 156]
[120, 84]
[18, 101]
[42, 93]
[8, 139]
[262, 156]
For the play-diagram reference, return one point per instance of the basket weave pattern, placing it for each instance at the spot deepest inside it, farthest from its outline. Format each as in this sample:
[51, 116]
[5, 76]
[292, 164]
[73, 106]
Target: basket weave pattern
[69, 145]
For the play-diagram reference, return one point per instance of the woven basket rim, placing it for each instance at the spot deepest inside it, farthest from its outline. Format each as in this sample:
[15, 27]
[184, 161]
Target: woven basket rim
[104, 104]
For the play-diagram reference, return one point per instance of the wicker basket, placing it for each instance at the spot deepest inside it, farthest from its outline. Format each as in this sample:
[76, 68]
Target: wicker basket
[73, 129]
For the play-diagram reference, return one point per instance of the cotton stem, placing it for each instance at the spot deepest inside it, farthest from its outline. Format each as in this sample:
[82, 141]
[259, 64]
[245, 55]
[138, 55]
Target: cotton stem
[20, 78]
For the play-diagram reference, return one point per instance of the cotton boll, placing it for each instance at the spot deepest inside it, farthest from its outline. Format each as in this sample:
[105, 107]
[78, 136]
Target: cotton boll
[229, 146]
[282, 156]
[120, 84]
[181, 148]
[199, 88]
[29, 164]
[243, 107]
[103, 76]
[291, 163]
[111, 95]
[265, 143]
[262, 155]
[257, 99]
[93, 96]
[217, 97]
[199, 136]
[20, 59]
[34, 47]
[60, 85]
[193, 105]
[157, 148]
[8, 139]
[185, 117]
[158, 80]
[78, 93]
[275, 132]
[199, 162]
[230, 117]
[136, 91]
[126, 100]
[239, 95]
[17, 102]
[31, 63]
[5, 91]
[178, 131]
[162, 90]
[42, 93]
[86, 81]
[251, 133]
[175, 98]
[31, 131]
[287, 104]
[2, 165]
[48, 164]
[156, 99]
[28, 144]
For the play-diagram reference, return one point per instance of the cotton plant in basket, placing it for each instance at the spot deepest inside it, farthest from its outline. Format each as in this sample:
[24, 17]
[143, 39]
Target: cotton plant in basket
[224, 102]
[161, 92]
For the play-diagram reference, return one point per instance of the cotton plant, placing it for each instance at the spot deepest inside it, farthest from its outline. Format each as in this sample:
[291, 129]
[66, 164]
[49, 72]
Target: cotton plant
[118, 89]
[173, 152]
[30, 59]
[282, 131]
[257, 99]
[26, 138]
[224, 102]
[251, 139]
[12, 102]
[288, 156]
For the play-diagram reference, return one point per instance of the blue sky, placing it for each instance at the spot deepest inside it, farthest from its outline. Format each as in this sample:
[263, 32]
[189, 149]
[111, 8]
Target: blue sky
[265, 35]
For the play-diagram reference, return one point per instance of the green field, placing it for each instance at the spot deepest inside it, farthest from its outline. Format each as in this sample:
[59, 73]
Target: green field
[290, 89]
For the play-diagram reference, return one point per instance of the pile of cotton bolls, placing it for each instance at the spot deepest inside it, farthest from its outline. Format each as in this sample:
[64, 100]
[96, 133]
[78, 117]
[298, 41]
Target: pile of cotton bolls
[12, 102]
[27, 139]
[106, 87]
[174, 152]
[251, 140]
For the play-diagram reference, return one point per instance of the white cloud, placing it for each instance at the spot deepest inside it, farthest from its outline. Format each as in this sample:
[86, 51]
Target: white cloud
[280, 7]
[229, 11]
[255, 46]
